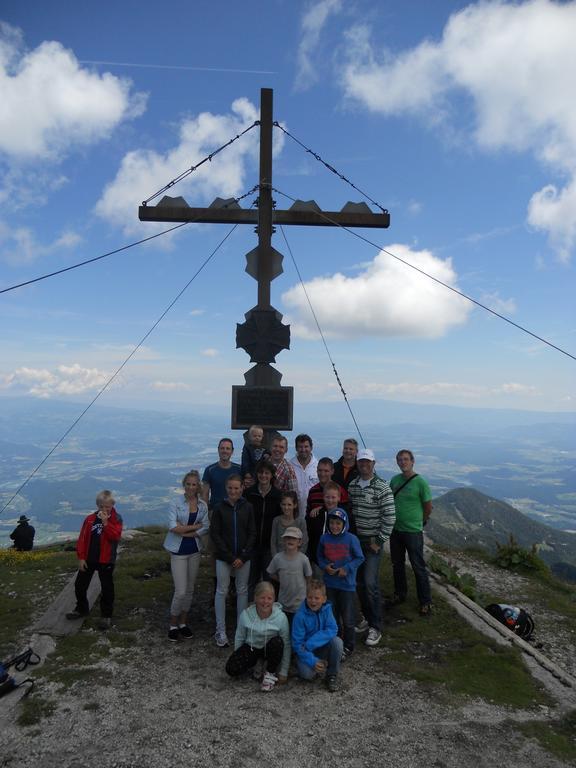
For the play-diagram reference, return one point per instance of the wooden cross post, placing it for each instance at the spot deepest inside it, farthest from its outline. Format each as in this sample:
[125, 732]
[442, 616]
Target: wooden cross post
[262, 400]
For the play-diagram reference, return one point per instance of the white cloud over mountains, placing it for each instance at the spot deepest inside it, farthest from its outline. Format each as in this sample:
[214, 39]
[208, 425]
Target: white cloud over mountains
[515, 63]
[49, 102]
[143, 172]
[63, 380]
[385, 299]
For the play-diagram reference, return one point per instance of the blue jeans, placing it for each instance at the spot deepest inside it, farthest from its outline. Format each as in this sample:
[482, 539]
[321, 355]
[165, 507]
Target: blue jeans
[344, 608]
[368, 585]
[413, 544]
[331, 652]
[223, 572]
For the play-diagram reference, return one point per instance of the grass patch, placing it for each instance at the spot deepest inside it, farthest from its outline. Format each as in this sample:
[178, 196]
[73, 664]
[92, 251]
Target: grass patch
[445, 651]
[34, 709]
[557, 737]
[30, 581]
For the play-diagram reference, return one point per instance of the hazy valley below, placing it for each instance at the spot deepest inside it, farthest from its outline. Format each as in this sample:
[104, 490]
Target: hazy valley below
[526, 459]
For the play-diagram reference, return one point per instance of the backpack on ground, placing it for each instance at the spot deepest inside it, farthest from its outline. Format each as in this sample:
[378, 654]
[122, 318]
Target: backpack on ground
[20, 662]
[516, 619]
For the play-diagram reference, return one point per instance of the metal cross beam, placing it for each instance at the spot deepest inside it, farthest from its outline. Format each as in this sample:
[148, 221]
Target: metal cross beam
[263, 335]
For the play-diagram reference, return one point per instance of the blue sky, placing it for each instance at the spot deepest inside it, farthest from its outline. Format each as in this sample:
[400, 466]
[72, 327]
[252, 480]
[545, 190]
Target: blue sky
[459, 118]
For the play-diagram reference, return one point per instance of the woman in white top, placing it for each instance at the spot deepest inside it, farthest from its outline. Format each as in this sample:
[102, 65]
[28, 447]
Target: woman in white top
[188, 521]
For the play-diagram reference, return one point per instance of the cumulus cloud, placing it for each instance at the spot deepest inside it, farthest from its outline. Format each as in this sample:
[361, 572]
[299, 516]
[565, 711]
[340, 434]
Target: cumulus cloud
[386, 299]
[18, 245]
[514, 64]
[63, 380]
[311, 26]
[49, 102]
[143, 172]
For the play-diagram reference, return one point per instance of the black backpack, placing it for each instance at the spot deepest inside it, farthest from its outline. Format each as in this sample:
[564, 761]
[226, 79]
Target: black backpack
[20, 662]
[516, 619]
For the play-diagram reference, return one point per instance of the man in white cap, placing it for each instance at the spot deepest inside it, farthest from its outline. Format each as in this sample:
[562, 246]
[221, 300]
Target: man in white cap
[372, 504]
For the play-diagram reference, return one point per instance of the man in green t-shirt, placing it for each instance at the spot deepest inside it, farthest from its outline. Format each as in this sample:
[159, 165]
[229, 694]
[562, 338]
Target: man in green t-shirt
[413, 502]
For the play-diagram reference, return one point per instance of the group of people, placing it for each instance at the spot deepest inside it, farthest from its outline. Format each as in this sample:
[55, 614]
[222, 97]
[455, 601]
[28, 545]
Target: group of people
[302, 540]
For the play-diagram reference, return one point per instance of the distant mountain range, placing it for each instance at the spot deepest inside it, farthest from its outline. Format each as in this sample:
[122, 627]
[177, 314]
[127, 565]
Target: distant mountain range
[464, 517]
[528, 459]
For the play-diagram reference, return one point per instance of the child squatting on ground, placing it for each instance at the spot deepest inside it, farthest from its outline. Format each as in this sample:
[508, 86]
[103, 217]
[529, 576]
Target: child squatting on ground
[262, 636]
[315, 638]
[339, 556]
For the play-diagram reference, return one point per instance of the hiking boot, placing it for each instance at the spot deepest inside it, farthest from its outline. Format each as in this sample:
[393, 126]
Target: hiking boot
[185, 632]
[332, 683]
[221, 639]
[104, 623]
[374, 637]
[268, 682]
[362, 626]
[173, 633]
[426, 610]
[73, 615]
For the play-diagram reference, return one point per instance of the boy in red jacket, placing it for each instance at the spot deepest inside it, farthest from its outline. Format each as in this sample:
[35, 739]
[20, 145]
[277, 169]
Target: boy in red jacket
[96, 550]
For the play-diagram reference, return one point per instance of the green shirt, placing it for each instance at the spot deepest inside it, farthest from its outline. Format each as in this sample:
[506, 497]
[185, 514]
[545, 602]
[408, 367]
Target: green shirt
[409, 503]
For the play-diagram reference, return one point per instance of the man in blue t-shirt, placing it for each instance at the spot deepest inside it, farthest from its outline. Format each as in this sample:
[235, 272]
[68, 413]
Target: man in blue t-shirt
[215, 475]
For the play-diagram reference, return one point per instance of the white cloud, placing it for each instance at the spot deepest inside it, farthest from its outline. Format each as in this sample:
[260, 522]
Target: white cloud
[197, 312]
[495, 302]
[63, 380]
[312, 24]
[143, 172]
[386, 299]
[515, 64]
[170, 386]
[49, 102]
[451, 389]
[18, 245]
[210, 352]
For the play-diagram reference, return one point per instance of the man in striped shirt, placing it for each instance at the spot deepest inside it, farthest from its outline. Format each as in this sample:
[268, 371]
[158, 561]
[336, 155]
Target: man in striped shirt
[372, 505]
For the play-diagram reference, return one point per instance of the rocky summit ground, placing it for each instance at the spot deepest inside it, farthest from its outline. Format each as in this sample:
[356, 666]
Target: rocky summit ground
[159, 705]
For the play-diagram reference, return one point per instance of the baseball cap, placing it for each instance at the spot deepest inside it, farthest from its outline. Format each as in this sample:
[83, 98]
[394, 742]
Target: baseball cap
[292, 532]
[339, 513]
[366, 453]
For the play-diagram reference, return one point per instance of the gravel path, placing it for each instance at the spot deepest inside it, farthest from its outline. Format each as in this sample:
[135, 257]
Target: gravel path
[170, 705]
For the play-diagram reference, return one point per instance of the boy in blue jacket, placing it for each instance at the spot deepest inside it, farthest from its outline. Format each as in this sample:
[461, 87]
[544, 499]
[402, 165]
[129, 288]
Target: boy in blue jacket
[339, 556]
[315, 638]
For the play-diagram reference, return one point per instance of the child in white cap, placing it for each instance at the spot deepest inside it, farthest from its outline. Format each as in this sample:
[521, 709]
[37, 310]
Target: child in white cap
[292, 569]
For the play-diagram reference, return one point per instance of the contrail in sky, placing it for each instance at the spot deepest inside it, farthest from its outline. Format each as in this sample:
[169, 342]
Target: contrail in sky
[175, 66]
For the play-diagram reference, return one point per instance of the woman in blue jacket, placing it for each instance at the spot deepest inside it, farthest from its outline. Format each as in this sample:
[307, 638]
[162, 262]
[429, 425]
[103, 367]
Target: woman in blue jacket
[187, 522]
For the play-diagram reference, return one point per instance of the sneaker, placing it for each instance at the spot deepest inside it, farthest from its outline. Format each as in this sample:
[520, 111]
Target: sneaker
[185, 632]
[425, 610]
[221, 640]
[258, 669]
[374, 637]
[104, 623]
[362, 626]
[73, 615]
[173, 633]
[332, 683]
[268, 682]
[346, 653]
